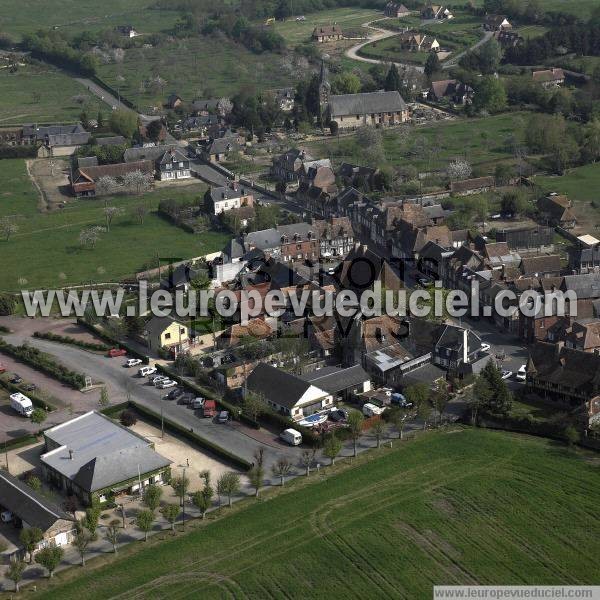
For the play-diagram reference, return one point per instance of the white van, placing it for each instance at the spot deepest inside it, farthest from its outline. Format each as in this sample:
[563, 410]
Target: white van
[21, 403]
[370, 410]
[291, 437]
[145, 371]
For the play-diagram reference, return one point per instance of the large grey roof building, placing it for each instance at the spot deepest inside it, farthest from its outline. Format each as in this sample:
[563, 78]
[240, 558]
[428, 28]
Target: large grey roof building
[370, 108]
[92, 456]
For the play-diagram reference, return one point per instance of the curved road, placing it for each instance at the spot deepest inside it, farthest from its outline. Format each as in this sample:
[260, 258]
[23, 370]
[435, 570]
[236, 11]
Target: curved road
[381, 34]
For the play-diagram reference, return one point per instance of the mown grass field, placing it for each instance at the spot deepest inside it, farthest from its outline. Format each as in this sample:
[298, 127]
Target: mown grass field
[45, 252]
[467, 507]
[389, 49]
[581, 8]
[481, 141]
[42, 94]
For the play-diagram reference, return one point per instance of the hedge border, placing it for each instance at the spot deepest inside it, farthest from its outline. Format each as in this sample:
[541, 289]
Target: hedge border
[200, 441]
[113, 342]
[52, 369]
[70, 341]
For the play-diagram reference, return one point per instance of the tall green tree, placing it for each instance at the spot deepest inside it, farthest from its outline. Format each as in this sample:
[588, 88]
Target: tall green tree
[145, 522]
[332, 447]
[355, 426]
[15, 572]
[30, 538]
[170, 512]
[432, 65]
[49, 558]
[392, 79]
[152, 496]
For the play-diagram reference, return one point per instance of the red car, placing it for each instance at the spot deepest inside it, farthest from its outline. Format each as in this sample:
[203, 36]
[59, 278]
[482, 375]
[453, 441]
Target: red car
[209, 409]
[2, 368]
[114, 352]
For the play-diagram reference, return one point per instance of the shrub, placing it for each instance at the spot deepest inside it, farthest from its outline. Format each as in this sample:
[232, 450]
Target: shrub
[8, 305]
[65, 339]
[128, 418]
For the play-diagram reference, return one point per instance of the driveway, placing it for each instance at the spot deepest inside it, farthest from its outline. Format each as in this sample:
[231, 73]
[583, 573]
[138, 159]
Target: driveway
[381, 34]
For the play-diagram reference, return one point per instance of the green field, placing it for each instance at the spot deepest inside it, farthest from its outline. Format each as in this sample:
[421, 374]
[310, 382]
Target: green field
[481, 141]
[73, 15]
[580, 184]
[194, 67]
[581, 8]
[45, 252]
[296, 32]
[465, 507]
[42, 94]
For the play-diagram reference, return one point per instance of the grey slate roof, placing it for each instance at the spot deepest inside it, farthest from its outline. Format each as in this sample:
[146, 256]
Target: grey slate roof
[115, 140]
[150, 153]
[334, 380]
[265, 239]
[28, 505]
[585, 286]
[366, 103]
[103, 452]
[278, 386]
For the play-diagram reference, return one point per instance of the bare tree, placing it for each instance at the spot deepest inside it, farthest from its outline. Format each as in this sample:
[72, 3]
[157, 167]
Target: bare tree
[378, 430]
[8, 227]
[138, 181]
[225, 106]
[110, 212]
[113, 534]
[459, 169]
[90, 236]
[106, 185]
[307, 458]
[140, 212]
[257, 472]
[281, 469]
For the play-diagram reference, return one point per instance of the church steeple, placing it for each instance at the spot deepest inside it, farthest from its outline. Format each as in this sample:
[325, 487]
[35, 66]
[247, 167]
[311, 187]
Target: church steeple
[324, 85]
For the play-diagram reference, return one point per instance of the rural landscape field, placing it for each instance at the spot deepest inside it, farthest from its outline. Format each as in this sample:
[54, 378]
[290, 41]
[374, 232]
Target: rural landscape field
[464, 507]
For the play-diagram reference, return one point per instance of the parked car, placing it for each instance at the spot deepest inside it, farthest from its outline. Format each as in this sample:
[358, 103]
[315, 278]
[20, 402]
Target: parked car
[2, 368]
[400, 400]
[506, 374]
[197, 403]
[370, 410]
[30, 387]
[16, 379]
[133, 362]
[424, 282]
[339, 415]
[291, 437]
[6, 516]
[223, 417]
[209, 409]
[114, 352]
[145, 371]
[157, 379]
[174, 394]
[485, 347]
[521, 373]
[166, 383]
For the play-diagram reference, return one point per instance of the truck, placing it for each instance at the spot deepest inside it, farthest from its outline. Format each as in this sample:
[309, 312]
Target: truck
[209, 409]
[21, 404]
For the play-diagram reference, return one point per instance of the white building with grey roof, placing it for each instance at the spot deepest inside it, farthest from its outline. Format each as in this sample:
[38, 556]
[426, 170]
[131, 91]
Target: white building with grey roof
[92, 457]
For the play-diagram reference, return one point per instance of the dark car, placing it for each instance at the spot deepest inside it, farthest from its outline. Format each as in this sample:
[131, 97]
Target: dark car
[17, 379]
[30, 387]
[223, 417]
[338, 415]
[185, 399]
[174, 394]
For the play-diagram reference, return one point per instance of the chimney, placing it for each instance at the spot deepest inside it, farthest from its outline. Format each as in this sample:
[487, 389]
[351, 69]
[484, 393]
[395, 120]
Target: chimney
[70, 454]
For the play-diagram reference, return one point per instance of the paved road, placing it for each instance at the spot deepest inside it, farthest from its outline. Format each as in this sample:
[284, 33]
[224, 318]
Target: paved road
[451, 62]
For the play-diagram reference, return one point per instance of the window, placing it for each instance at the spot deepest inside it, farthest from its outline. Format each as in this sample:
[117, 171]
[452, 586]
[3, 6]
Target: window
[167, 336]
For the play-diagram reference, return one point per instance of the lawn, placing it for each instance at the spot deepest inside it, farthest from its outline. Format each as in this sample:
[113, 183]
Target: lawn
[389, 49]
[467, 507]
[296, 32]
[43, 94]
[481, 141]
[45, 252]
